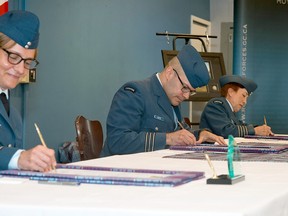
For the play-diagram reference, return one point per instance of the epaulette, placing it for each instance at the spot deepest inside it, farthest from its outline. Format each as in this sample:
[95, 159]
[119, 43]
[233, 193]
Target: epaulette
[217, 102]
[128, 88]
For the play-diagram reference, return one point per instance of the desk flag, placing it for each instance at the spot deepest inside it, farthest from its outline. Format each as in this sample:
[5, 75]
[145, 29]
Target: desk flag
[3, 6]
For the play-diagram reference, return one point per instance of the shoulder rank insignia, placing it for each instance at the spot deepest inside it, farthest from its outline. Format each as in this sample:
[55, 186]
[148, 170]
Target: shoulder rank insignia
[217, 102]
[127, 88]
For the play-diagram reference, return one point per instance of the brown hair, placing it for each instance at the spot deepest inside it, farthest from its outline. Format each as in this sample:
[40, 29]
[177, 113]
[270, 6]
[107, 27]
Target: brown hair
[234, 86]
[6, 42]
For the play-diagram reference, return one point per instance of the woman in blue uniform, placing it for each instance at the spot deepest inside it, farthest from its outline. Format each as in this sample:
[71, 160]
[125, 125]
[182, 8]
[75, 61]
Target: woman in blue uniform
[19, 35]
[219, 115]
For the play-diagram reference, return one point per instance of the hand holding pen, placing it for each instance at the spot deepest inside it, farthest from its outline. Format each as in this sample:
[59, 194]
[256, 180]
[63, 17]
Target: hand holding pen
[180, 137]
[263, 130]
[43, 142]
[40, 158]
[206, 136]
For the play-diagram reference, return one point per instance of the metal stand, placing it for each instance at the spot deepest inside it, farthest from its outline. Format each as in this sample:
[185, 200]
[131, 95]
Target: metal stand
[187, 37]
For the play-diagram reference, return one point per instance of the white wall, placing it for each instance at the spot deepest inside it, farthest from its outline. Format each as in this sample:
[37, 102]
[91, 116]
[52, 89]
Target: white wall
[220, 11]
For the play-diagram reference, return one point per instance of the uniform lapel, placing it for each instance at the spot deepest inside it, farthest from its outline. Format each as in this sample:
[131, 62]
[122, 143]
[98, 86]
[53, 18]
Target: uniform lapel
[232, 114]
[4, 114]
[178, 113]
[163, 100]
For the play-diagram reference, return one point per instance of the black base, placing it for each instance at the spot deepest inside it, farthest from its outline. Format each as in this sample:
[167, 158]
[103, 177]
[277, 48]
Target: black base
[225, 179]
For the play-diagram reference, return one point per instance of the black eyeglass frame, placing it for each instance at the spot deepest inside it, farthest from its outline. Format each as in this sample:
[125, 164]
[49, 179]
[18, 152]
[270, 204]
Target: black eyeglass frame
[185, 89]
[28, 62]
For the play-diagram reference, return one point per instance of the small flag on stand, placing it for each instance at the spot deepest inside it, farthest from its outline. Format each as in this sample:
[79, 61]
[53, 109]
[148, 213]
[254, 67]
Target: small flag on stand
[3, 6]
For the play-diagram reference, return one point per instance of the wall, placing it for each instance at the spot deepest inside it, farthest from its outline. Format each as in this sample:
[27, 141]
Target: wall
[220, 11]
[87, 50]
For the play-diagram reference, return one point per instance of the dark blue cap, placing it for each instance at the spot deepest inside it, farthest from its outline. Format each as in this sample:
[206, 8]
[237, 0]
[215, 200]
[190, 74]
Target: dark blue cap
[248, 84]
[22, 27]
[193, 66]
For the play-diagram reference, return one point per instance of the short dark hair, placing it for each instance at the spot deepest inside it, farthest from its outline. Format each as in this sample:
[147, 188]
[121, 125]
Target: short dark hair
[234, 86]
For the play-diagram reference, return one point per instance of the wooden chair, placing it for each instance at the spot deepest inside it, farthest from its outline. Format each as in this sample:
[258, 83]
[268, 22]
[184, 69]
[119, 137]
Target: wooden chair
[89, 137]
[187, 121]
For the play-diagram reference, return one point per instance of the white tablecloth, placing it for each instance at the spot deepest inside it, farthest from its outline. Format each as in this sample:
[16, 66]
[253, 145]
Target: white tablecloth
[264, 192]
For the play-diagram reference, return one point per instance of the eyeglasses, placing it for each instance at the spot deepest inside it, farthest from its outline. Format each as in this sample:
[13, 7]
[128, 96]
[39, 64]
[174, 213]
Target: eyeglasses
[14, 58]
[185, 89]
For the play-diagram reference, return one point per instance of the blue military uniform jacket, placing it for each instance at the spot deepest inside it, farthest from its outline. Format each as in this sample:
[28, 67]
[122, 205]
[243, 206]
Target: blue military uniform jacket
[222, 121]
[139, 118]
[10, 135]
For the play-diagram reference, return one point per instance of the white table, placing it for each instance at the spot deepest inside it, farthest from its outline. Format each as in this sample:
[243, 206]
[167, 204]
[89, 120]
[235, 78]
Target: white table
[264, 192]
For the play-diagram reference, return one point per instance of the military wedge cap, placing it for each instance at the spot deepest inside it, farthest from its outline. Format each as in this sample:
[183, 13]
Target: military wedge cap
[193, 66]
[248, 84]
[22, 27]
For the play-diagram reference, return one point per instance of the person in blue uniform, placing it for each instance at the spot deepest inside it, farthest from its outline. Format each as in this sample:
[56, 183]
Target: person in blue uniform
[219, 115]
[145, 115]
[19, 35]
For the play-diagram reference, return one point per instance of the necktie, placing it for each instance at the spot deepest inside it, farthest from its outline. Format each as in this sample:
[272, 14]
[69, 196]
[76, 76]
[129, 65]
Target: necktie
[5, 102]
[177, 116]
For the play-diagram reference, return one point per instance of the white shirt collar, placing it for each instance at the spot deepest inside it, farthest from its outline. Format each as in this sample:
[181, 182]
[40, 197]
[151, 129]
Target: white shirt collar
[157, 75]
[230, 105]
[5, 91]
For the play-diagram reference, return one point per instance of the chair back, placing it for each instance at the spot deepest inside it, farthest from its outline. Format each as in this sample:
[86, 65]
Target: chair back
[187, 121]
[89, 137]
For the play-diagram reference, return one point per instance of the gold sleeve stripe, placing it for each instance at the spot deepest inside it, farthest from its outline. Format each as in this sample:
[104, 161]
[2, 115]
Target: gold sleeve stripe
[242, 130]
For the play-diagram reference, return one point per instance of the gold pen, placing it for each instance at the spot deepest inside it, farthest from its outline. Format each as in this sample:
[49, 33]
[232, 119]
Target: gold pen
[41, 139]
[180, 124]
[40, 135]
[265, 122]
[211, 166]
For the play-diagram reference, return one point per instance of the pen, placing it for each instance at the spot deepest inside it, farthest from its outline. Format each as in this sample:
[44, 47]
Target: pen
[211, 166]
[41, 139]
[265, 122]
[40, 135]
[180, 124]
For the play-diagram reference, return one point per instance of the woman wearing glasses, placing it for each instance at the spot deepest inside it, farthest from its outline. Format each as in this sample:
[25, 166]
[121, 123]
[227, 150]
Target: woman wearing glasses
[145, 115]
[19, 35]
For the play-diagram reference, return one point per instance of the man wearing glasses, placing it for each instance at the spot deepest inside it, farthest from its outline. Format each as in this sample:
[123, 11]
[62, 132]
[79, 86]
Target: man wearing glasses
[145, 115]
[19, 35]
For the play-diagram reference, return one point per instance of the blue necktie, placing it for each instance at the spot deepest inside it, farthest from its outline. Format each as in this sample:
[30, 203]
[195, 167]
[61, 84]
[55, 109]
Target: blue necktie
[177, 116]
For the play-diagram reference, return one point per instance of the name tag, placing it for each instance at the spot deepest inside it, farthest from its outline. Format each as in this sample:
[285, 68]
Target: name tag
[158, 117]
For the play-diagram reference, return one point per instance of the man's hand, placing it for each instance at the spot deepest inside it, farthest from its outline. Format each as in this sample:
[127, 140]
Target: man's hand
[38, 158]
[263, 130]
[206, 136]
[180, 137]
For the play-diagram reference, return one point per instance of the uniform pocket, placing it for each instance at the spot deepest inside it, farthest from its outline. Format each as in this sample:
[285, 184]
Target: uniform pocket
[155, 125]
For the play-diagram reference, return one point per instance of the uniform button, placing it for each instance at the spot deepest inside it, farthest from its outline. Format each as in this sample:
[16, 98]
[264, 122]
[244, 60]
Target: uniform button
[10, 145]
